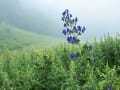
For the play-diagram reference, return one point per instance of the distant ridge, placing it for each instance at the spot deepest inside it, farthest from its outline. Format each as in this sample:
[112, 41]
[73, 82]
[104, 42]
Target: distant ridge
[12, 37]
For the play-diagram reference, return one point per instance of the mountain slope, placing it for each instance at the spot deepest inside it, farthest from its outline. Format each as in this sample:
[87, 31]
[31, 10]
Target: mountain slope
[12, 38]
[14, 13]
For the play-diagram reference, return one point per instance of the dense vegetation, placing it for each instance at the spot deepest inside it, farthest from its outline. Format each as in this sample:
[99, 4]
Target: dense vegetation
[28, 62]
[52, 69]
[68, 66]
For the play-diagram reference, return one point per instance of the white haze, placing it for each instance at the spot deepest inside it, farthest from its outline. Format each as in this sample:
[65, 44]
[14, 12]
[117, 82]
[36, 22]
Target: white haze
[99, 16]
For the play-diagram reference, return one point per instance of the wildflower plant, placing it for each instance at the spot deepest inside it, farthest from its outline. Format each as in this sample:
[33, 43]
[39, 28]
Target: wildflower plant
[72, 31]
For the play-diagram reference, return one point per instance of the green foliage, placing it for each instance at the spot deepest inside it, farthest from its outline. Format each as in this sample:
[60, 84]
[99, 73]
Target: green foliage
[52, 69]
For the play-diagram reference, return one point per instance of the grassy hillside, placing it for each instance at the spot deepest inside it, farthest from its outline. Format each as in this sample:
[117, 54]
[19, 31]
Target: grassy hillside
[12, 38]
[27, 18]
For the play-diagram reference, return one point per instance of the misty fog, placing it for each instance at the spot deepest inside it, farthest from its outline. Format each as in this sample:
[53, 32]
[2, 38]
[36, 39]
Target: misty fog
[44, 16]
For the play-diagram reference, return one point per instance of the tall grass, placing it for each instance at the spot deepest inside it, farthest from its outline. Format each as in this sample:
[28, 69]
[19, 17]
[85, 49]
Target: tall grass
[52, 69]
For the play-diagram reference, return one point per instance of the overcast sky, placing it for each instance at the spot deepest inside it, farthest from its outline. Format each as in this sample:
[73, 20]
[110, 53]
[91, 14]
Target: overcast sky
[99, 16]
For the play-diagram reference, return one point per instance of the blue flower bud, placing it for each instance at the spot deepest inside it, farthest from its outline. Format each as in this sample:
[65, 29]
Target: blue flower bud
[83, 29]
[67, 10]
[64, 32]
[73, 56]
[73, 39]
[70, 15]
[79, 28]
[110, 87]
[76, 19]
[67, 15]
[90, 47]
[68, 30]
[69, 39]
[63, 18]
[75, 29]
[65, 25]
[64, 13]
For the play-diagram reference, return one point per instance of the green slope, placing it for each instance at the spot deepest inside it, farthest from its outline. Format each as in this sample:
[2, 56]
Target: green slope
[12, 38]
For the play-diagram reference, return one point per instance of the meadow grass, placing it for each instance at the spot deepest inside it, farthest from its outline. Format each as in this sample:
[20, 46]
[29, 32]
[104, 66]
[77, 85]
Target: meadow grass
[13, 38]
[51, 68]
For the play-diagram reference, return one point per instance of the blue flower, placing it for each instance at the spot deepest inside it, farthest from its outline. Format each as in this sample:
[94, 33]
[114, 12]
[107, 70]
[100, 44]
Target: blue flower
[63, 18]
[79, 28]
[76, 19]
[67, 10]
[65, 25]
[68, 30]
[67, 15]
[73, 56]
[70, 15]
[64, 13]
[71, 39]
[90, 47]
[64, 32]
[83, 29]
[74, 28]
[110, 87]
